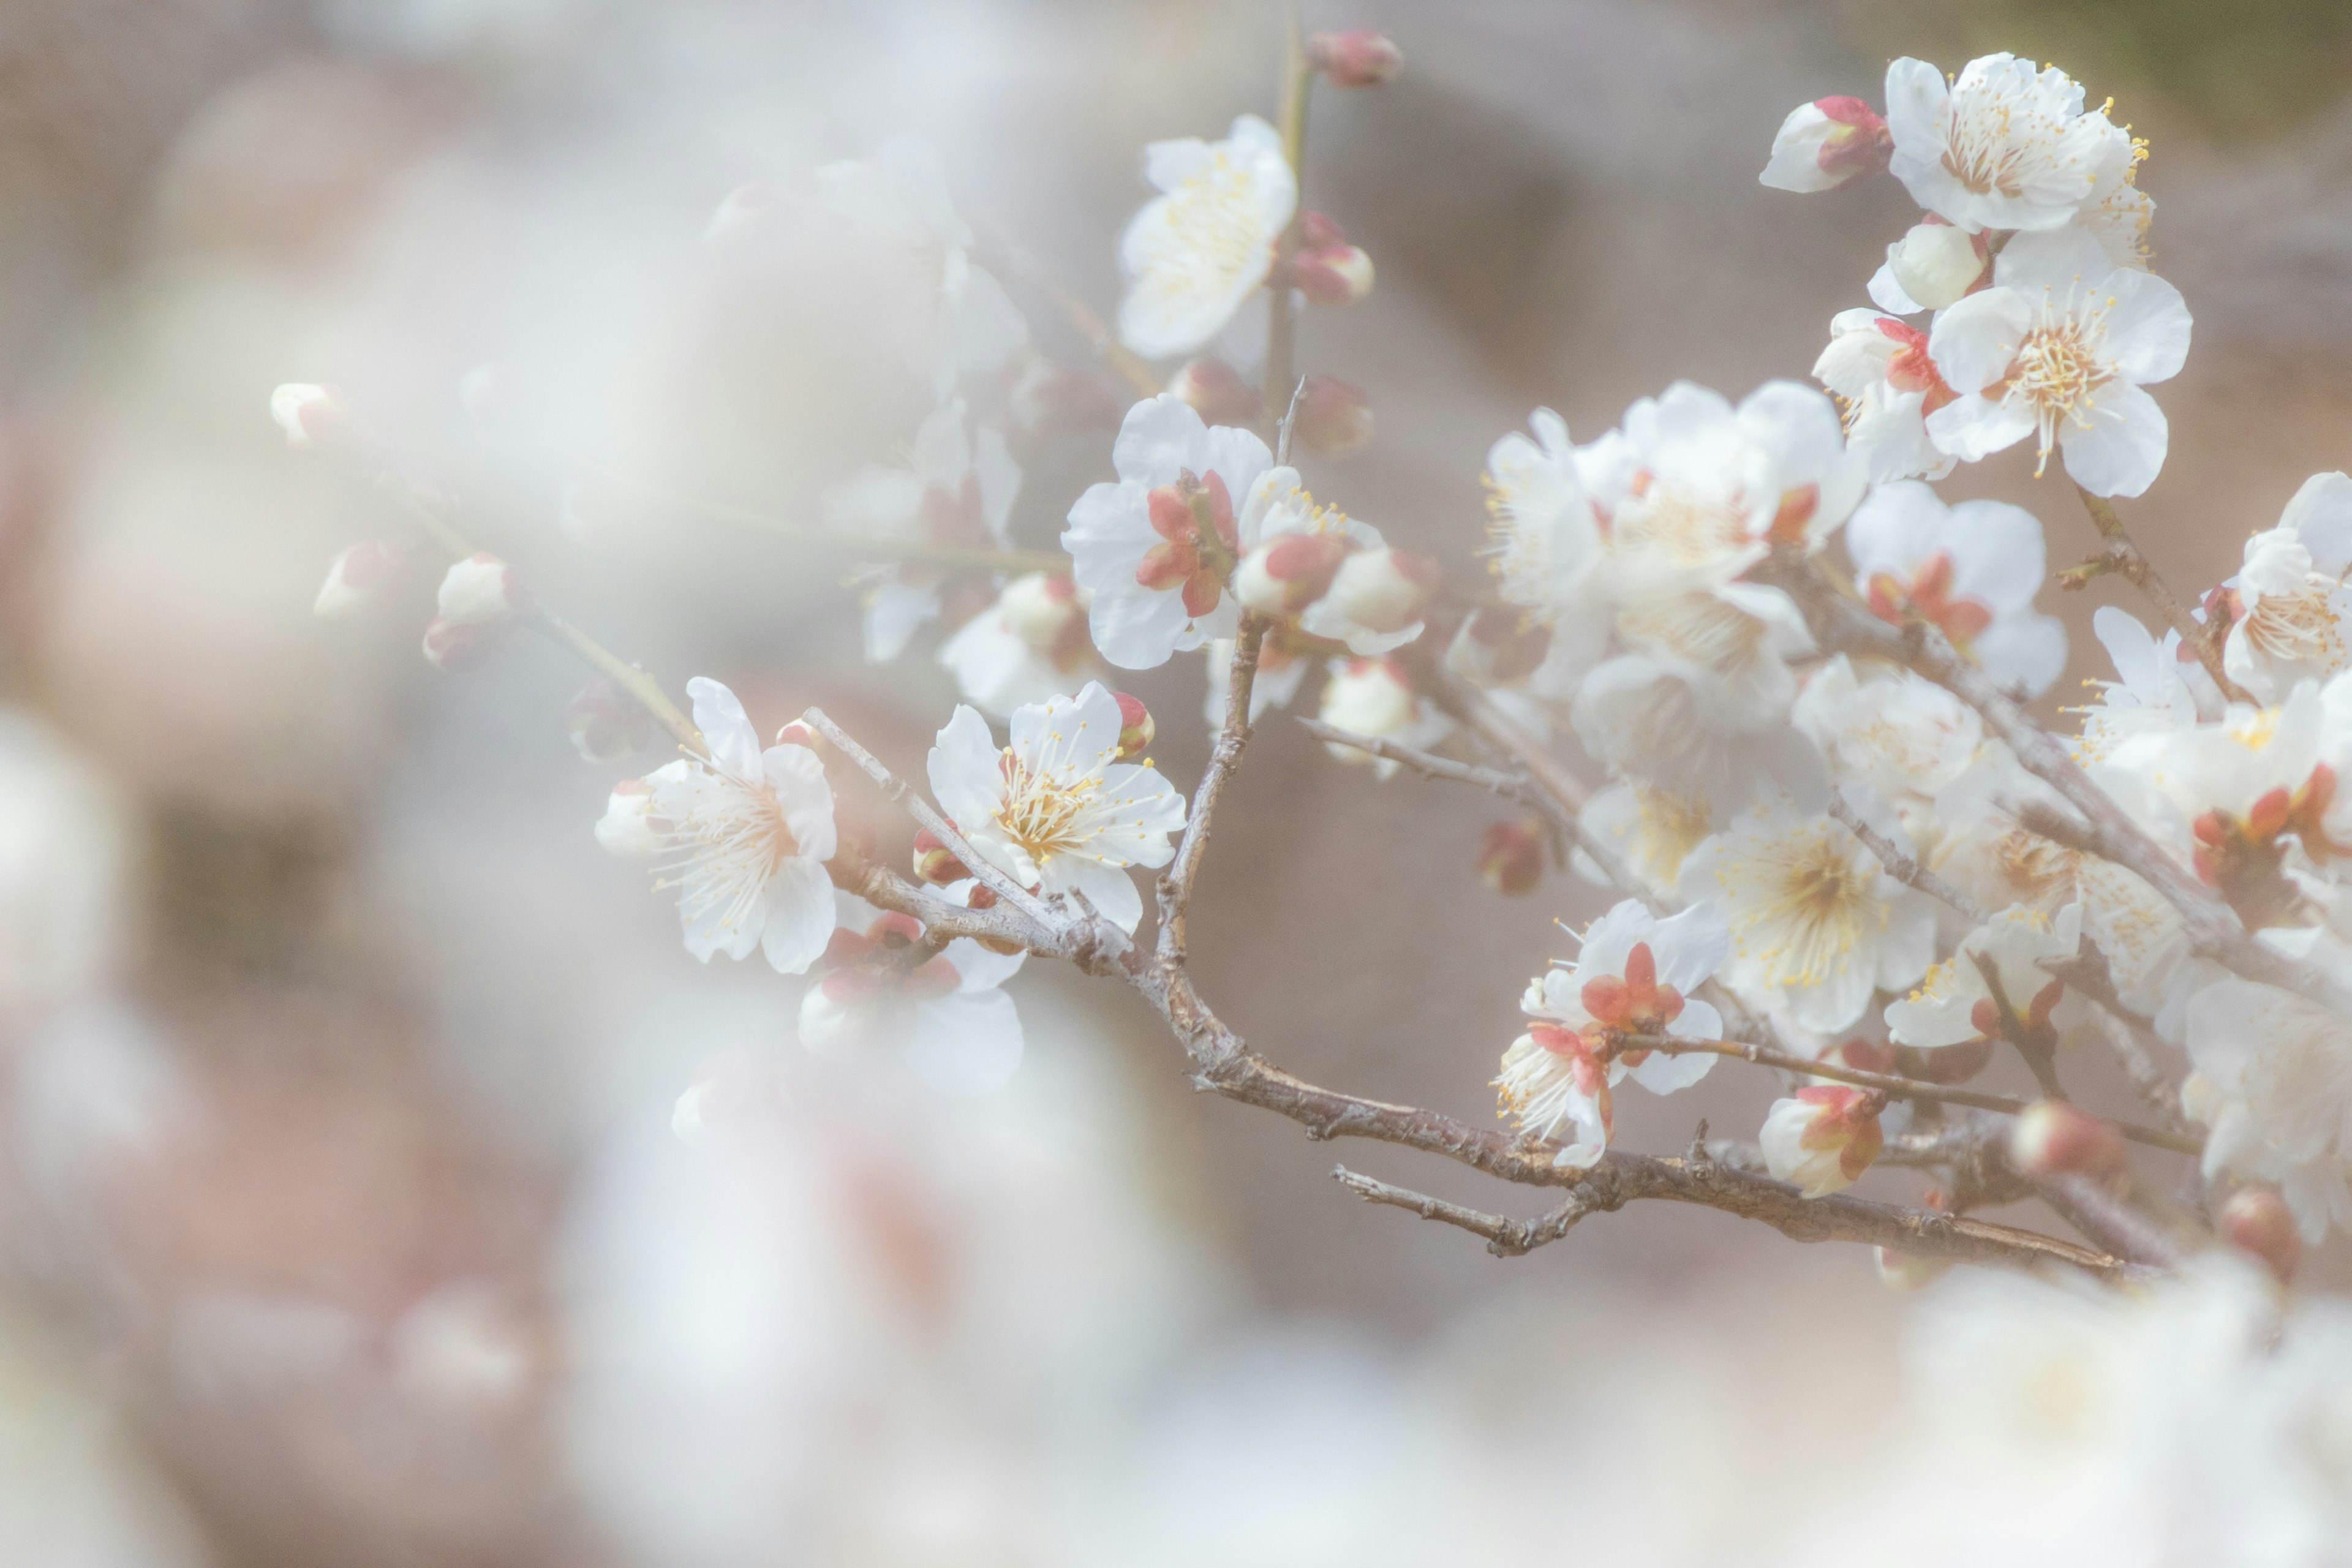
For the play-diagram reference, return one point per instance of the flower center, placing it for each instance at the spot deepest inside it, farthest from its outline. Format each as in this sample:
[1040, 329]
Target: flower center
[1811, 903]
[1928, 596]
[2058, 369]
[1687, 528]
[1042, 811]
[1216, 212]
[1993, 143]
[733, 836]
[2298, 626]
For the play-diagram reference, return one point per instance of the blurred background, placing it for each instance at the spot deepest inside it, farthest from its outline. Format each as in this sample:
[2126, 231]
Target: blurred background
[342, 1215]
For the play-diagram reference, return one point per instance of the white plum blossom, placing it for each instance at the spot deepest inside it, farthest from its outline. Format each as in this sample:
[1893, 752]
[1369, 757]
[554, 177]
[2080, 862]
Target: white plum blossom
[2152, 693]
[1029, 646]
[1156, 549]
[1673, 726]
[1545, 549]
[1633, 974]
[2000, 146]
[743, 836]
[2291, 606]
[1817, 924]
[1880, 369]
[2273, 1083]
[2058, 347]
[1897, 735]
[1955, 1005]
[956, 490]
[1054, 810]
[957, 1030]
[1196, 251]
[1971, 570]
[1651, 830]
[1361, 585]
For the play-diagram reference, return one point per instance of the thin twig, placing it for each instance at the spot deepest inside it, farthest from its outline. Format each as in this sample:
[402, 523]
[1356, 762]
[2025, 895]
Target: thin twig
[1297, 80]
[1906, 868]
[1906, 1088]
[2123, 557]
[1510, 786]
[1505, 1237]
[1175, 888]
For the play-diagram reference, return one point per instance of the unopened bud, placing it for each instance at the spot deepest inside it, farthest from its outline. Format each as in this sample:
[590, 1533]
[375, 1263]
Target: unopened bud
[626, 828]
[1497, 645]
[1360, 58]
[798, 733]
[312, 415]
[1333, 419]
[480, 590]
[1332, 274]
[453, 646]
[1048, 395]
[1286, 574]
[1935, 263]
[935, 863]
[1511, 856]
[1822, 1137]
[1368, 697]
[1907, 1271]
[2050, 1137]
[1382, 590]
[1824, 143]
[606, 724]
[2255, 1220]
[1216, 393]
[355, 578]
[1134, 728]
[1040, 608]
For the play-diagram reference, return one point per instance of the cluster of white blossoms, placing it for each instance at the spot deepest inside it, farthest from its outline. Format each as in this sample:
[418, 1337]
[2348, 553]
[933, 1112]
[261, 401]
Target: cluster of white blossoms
[2031, 259]
[1850, 850]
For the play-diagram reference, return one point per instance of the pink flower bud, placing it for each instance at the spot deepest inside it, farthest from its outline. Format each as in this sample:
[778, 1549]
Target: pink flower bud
[355, 578]
[1369, 697]
[1935, 263]
[1824, 143]
[1383, 590]
[1358, 59]
[481, 591]
[935, 863]
[1334, 419]
[1332, 274]
[1822, 1137]
[1511, 856]
[1048, 395]
[1216, 393]
[1040, 609]
[1134, 728]
[626, 828]
[2051, 1136]
[2255, 1221]
[453, 646]
[1318, 230]
[799, 734]
[312, 416]
[605, 724]
[1286, 574]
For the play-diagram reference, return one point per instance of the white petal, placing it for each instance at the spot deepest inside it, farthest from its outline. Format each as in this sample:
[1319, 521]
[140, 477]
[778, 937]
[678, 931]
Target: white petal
[797, 775]
[2123, 450]
[1975, 342]
[799, 915]
[1974, 427]
[965, 775]
[718, 714]
[1158, 436]
[2147, 327]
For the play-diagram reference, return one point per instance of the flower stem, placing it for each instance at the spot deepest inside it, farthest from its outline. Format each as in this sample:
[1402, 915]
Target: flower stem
[2123, 557]
[1281, 328]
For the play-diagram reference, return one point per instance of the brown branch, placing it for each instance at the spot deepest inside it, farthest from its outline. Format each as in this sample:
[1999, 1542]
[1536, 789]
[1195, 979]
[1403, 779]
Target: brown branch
[1889, 1083]
[2128, 1036]
[2121, 556]
[1510, 786]
[1505, 1237]
[1176, 883]
[2107, 1219]
[1904, 868]
[1297, 80]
